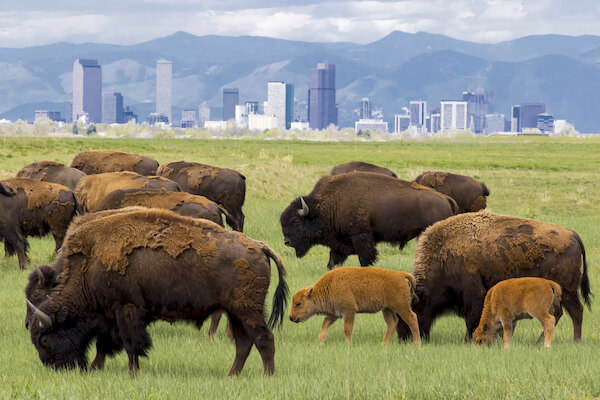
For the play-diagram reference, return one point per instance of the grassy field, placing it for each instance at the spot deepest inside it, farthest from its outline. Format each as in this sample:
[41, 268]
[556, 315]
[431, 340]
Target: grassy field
[551, 179]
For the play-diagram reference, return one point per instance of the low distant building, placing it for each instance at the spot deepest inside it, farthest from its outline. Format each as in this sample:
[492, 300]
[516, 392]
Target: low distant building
[215, 125]
[129, 115]
[241, 115]
[435, 122]
[494, 123]
[155, 118]
[401, 123]
[545, 123]
[370, 125]
[51, 115]
[299, 126]
[112, 108]
[188, 118]
[261, 122]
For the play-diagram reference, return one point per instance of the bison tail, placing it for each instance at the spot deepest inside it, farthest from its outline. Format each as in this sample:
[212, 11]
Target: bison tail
[280, 298]
[486, 191]
[585, 280]
[453, 205]
[412, 284]
[228, 216]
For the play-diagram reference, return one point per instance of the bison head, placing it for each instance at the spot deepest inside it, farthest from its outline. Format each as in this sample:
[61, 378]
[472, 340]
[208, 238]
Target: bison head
[60, 338]
[6, 190]
[302, 225]
[303, 306]
[485, 334]
[39, 286]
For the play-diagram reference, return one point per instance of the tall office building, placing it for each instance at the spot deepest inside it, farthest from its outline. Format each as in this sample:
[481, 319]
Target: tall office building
[453, 115]
[545, 123]
[515, 118]
[164, 88]
[322, 108]
[365, 108]
[529, 114]
[87, 90]
[231, 98]
[203, 114]
[401, 123]
[479, 103]
[251, 107]
[188, 118]
[280, 103]
[112, 108]
[418, 111]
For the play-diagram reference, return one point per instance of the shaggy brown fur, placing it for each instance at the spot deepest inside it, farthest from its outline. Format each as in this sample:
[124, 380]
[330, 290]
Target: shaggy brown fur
[92, 189]
[175, 268]
[345, 291]
[38, 208]
[470, 194]
[457, 260]
[221, 185]
[182, 203]
[519, 298]
[52, 171]
[361, 166]
[100, 161]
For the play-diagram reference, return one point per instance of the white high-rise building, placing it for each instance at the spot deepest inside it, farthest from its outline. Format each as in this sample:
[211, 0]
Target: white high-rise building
[453, 115]
[276, 102]
[203, 114]
[418, 111]
[164, 88]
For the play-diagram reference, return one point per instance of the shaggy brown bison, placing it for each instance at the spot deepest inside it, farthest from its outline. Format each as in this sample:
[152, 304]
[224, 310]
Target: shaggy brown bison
[470, 194]
[221, 185]
[350, 213]
[459, 259]
[518, 298]
[353, 166]
[345, 291]
[100, 161]
[92, 189]
[188, 205]
[156, 265]
[52, 171]
[33, 208]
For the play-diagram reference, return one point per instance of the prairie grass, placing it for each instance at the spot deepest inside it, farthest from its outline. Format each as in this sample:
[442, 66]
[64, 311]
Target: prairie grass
[551, 179]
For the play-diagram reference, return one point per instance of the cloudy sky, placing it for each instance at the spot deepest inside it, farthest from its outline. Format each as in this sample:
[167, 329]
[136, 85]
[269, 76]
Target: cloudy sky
[35, 22]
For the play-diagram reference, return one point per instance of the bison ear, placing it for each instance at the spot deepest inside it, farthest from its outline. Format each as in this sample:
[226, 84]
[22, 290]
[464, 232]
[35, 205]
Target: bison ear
[309, 293]
[485, 327]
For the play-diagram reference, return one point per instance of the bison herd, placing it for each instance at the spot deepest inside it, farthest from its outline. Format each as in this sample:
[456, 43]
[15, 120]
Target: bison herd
[138, 242]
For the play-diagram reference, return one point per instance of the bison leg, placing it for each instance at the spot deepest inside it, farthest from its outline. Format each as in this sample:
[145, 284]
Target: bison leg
[410, 318]
[575, 310]
[243, 345]
[335, 258]
[349, 326]
[508, 327]
[15, 242]
[214, 322]
[265, 344]
[364, 247]
[557, 313]
[327, 321]
[134, 335]
[391, 321]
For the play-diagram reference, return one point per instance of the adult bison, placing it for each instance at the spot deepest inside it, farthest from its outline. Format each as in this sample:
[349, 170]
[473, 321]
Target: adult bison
[52, 171]
[459, 259]
[100, 161]
[33, 208]
[353, 166]
[152, 264]
[350, 213]
[188, 205]
[222, 185]
[92, 189]
[470, 194]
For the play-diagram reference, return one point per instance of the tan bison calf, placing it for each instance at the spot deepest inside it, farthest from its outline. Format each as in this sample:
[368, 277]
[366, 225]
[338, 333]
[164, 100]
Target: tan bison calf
[519, 298]
[343, 292]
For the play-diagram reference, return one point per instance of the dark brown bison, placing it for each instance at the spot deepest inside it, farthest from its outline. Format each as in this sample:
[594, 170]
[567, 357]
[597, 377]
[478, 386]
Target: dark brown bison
[350, 213]
[33, 208]
[470, 194]
[138, 267]
[459, 259]
[52, 171]
[92, 189]
[100, 161]
[353, 166]
[221, 185]
[182, 203]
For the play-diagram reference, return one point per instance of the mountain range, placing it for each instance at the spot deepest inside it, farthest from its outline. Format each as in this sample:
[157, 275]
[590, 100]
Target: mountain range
[561, 71]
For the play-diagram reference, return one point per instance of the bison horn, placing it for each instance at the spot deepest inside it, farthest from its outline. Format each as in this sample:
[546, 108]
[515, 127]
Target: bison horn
[304, 211]
[45, 321]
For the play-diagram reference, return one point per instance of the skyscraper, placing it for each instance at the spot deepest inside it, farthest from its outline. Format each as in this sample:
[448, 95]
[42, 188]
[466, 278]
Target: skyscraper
[280, 103]
[231, 98]
[515, 119]
[87, 90]
[164, 88]
[529, 114]
[479, 103]
[112, 108]
[453, 115]
[322, 108]
[203, 114]
[418, 111]
[365, 108]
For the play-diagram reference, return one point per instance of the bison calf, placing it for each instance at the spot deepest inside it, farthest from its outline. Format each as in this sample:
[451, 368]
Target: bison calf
[343, 292]
[519, 298]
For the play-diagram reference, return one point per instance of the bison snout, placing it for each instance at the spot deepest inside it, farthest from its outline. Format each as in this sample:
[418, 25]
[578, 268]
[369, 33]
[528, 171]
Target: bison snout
[294, 319]
[287, 242]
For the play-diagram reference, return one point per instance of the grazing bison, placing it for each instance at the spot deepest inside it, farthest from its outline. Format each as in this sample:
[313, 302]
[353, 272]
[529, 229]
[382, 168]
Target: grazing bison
[152, 264]
[518, 298]
[470, 194]
[345, 291]
[100, 161]
[221, 185]
[188, 205]
[353, 166]
[33, 208]
[52, 171]
[350, 213]
[459, 259]
[92, 189]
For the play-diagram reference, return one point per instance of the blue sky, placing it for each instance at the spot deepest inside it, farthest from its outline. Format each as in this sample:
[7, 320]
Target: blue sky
[36, 22]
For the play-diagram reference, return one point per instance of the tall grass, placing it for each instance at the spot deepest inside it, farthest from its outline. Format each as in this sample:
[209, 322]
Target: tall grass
[550, 179]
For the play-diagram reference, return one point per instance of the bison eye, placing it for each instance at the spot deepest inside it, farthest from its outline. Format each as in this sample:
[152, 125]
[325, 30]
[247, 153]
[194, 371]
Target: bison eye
[298, 304]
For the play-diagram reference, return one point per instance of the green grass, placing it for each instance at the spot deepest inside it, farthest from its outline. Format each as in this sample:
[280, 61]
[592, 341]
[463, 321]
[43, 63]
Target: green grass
[552, 179]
